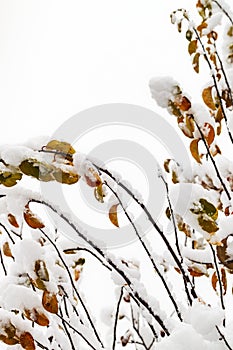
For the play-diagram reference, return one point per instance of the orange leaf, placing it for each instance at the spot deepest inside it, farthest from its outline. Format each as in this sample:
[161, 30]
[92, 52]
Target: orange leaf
[113, 215]
[214, 281]
[27, 342]
[185, 104]
[7, 250]
[31, 219]
[194, 150]
[209, 136]
[49, 302]
[35, 316]
[208, 98]
[12, 220]
[195, 272]
[76, 275]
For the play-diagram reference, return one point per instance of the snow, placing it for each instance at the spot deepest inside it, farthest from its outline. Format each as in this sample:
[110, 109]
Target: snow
[162, 90]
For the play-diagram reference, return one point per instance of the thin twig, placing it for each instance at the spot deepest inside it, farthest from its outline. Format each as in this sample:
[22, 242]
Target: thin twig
[67, 332]
[76, 331]
[223, 338]
[148, 253]
[74, 287]
[224, 11]
[90, 252]
[116, 319]
[219, 279]
[2, 263]
[111, 263]
[160, 232]
[212, 160]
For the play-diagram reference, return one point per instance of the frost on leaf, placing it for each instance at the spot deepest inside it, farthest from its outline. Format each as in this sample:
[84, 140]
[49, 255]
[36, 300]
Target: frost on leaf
[36, 316]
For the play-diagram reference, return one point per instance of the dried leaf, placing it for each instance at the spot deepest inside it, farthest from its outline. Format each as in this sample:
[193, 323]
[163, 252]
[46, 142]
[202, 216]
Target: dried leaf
[196, 62]
[60, 146]
[208, 98]
[195, 272]
[194, 150]
[184, 104]
[93, 179]
[26, 341]
[214, 281]
[36, 316]
[9, 179]
[12, 220]
[31, 219]
[207, 224]
[49, 302]
[224, 281]
[113, 215]
[99, 193]
[7, 250]
[219, 115]
[65, 177]
[192, 48]
[8, 341]
[76, 275]
[41, 270]
[223, 257]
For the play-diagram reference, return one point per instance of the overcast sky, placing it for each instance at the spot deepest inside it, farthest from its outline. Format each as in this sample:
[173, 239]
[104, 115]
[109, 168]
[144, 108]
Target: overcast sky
[59, 57]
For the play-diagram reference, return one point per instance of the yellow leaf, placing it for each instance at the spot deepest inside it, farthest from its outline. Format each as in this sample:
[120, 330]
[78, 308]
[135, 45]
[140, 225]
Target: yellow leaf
[208, 98]
[113, 215]
[194, 150]
[60, 146]
[49, 302]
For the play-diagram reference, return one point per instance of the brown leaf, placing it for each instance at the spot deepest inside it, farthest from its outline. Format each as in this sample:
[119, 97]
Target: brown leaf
[36, 316]
[194, 150]
[26, 341]
[210, 135]
[7, 250]
[219, 115]
[192, 47]
[8, 341]
[223, 256]
[185, 104]
[195, 272]
[196, 62]
[49, 302]
[224, 280]
[208, 98]
[113, 214]
[214, 281]
[31, 219]
[12, 220]
[76, 275]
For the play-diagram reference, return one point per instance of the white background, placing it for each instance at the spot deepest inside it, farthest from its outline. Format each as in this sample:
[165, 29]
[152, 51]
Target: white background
[59, 57]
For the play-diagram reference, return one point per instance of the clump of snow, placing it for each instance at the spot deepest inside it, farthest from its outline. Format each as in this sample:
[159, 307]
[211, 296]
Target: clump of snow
[14, 155]
[162, 90]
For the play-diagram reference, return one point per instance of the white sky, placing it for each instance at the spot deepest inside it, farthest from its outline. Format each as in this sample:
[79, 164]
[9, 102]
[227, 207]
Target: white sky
[59, 57]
